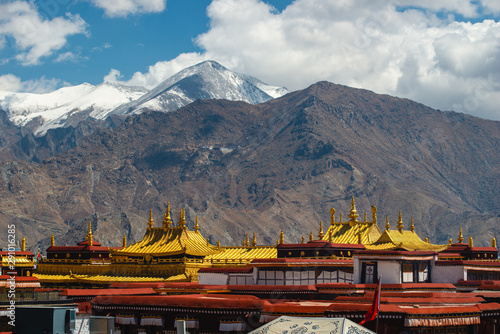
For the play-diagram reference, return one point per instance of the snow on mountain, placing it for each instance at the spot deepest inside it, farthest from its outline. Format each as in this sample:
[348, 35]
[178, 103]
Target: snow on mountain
[207, 80]
[69, 105]
[57, 109]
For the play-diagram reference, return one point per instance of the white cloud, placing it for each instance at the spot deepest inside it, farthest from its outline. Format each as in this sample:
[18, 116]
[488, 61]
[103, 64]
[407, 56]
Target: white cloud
[12, 83]
[123, 8]
[385, 46]
[34, 36]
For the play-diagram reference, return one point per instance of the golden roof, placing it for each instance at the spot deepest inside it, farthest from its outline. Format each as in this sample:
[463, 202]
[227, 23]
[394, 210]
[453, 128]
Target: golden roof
[19, 261]
[243, 255]
[406, 240]
[160, 241]
[169, 240]
[351, 231]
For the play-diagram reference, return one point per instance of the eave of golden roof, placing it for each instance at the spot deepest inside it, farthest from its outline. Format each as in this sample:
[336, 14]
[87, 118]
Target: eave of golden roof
[405, 240]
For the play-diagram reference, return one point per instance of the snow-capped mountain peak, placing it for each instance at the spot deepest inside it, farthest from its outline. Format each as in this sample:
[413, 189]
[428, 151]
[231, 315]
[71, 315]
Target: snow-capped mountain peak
[69, 105]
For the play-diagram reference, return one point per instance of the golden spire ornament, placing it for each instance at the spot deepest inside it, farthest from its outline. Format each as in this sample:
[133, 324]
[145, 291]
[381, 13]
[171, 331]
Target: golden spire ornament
[247, 241]
[254, 240]
[23, 244]
[320, 234]
[167, 221]
[400, 224]
[353, 214]
[196, 225]
[124, 243]
[387, 226]
[374, 214]
[89, 234]
[493, 242]
[471, 241]
[52, 239]
[282, 237]
[332, 216]
[412, 226]
[303, 240]
[182, 219]
[460, 235]
[150, 223]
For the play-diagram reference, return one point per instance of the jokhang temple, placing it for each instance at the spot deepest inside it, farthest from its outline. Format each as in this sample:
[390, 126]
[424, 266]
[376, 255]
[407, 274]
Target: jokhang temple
[174, 274]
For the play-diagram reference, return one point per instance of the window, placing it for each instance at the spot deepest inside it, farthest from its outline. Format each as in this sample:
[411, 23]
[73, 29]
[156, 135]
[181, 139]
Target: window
[407, 272]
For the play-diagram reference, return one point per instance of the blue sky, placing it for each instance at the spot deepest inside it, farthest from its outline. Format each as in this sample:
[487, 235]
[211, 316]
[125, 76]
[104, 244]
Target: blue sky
[445, 54]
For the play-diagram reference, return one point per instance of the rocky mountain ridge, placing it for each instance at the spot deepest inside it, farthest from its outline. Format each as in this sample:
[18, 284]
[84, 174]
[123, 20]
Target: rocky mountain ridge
[278, 165]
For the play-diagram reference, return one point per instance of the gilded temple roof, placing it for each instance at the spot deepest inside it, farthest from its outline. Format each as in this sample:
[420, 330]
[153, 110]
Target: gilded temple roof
[242, 255]
[169, 240]
[403, 240]
[351, 231]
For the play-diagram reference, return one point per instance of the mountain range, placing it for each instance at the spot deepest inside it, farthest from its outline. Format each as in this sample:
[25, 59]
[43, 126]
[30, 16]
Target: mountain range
[68, 106]
[264, 167]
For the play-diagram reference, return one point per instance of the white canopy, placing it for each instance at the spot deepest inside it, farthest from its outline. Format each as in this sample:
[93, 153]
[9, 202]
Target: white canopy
[299, 325]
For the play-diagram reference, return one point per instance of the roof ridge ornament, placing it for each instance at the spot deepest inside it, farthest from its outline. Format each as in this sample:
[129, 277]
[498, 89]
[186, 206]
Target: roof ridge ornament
[167, 220]
[196, 225]
[471, 241]
[320, 233]
[353, 214]
[282, 237]
[493, 242]
[374, 214]
[254, 240]
[412, 226]
[182, 219]
[151, 222]
[387, 225]
[23, 244]
[460, 235]
[400, 224]
[332, 216]
[89, 234]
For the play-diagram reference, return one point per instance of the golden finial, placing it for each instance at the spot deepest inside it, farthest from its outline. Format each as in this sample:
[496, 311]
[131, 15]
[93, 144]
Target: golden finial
[365, 218]
[23, 244]
[493, 242]
[150, 223]
[247, 241]
[182, 219]
[374, 214]
[460, 235]
[167, 221]
[400, 224]
[196, 226]
[332, 216]
[330, 236]
[387, 226]
[52, 239]
[340, 218]
[89, 234]
[450, 242]
[303, 240]
[353, 214]
[426, 239]
[124, 244]
[471, 241]
[91, 242]
[254, 240]
[282, 237]
[412, 226]
[320, 234]
[218, 244]
[311, 237]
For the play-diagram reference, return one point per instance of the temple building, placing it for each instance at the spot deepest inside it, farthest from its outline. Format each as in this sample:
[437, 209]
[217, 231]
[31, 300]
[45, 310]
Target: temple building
[175, 276]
